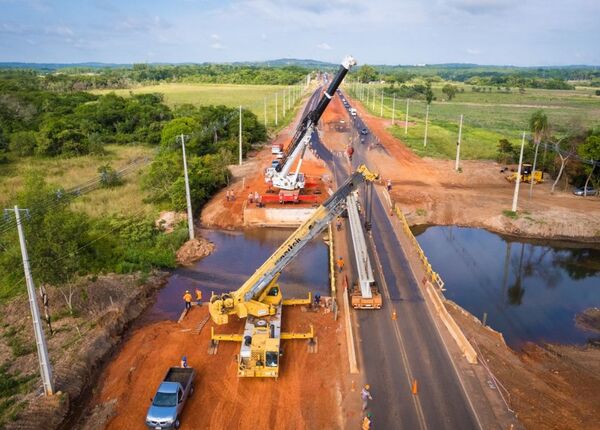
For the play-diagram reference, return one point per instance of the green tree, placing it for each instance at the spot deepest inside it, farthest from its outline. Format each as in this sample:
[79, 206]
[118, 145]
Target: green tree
[428, 93]
[367, 74]
[23, 143]
[173, 129]
[538, 125]
[506, 152]
[449, 90]
[590, 150]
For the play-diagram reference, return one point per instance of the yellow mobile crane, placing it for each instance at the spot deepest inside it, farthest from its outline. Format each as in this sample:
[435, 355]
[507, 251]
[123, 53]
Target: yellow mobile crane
[259, 299]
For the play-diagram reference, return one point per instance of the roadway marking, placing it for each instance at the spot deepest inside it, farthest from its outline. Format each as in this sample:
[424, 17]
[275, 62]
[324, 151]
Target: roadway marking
[435, 321]
[404, 356]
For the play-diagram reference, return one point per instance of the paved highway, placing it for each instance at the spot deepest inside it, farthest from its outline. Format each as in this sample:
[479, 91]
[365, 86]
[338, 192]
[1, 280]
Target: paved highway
[395, 353]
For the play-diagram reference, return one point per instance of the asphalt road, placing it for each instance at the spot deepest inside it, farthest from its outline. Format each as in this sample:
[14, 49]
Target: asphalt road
[396, 352]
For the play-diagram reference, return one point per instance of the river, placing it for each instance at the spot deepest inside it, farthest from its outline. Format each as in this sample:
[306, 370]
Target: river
[530, 290]
[236, 256]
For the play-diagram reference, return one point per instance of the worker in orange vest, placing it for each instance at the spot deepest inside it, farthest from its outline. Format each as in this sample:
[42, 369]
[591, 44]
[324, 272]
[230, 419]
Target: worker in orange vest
[340, 264]
[366, 424]
[198, 296]
[188, 299]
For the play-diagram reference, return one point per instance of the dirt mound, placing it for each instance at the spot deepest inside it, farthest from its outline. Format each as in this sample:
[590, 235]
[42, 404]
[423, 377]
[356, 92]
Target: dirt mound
[168, 219]
[194, 250]
[589, 320]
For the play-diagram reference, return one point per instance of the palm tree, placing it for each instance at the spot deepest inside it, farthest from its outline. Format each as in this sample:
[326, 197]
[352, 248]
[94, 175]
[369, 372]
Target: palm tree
[538, 124]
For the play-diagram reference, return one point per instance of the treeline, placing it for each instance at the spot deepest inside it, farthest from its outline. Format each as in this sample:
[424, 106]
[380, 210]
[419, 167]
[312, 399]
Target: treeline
[548, 78]
[63, 243]
[35, 121]
[147, 74]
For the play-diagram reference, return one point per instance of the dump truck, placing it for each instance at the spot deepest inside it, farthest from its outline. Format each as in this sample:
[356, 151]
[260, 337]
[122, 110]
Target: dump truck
[526, 170]
[167, 403]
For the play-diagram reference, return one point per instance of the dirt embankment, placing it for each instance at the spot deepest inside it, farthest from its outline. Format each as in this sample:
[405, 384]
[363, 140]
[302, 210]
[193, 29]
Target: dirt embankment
[550, 386]
[306, 396]
[430, 191]
[102, 308]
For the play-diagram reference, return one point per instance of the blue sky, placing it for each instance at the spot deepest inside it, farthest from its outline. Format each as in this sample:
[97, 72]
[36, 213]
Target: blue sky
[517, 32]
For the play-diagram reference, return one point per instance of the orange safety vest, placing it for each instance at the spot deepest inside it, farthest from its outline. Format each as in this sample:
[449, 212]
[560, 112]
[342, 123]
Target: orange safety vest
[198, 295]
[366, 424]
[187, 297]
[340, 263]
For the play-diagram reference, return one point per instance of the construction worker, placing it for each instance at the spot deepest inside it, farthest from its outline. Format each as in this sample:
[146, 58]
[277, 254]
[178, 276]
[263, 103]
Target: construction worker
[366, 423]
[198, 296]
[340, 264]
[365, 396]
[389, 185]
[184, 362]
[338, 224]
[187, 297]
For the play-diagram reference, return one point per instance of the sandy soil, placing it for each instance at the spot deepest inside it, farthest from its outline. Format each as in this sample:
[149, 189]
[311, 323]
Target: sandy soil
[194, 250]
[550, 386]
[307, 395]
[432, 192]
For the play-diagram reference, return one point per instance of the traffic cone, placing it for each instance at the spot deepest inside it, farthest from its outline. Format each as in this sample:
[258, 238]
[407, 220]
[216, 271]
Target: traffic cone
[414, 387]
[394, 315]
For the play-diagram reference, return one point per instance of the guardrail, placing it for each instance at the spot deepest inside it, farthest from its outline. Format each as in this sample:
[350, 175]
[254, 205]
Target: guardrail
[434, 277]
[331, 263]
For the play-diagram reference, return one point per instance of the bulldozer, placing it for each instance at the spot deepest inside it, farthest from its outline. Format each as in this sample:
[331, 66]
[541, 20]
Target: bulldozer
[526, 176]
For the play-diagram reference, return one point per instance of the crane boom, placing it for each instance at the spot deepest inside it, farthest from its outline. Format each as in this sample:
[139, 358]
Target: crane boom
[280, 175]
[249, 299]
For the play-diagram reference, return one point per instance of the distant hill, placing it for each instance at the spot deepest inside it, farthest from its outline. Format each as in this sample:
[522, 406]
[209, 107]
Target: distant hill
[57, 66]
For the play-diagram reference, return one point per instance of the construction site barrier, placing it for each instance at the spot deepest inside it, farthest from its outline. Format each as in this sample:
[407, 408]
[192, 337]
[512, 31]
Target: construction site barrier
[351, 348]
[433, 276]
[331, 263]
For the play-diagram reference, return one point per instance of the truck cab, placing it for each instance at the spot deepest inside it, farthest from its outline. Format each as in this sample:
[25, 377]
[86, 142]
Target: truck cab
[167, 403]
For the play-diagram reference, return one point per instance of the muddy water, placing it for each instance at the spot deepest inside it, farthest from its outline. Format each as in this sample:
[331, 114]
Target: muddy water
[531, 291]
[237, 255]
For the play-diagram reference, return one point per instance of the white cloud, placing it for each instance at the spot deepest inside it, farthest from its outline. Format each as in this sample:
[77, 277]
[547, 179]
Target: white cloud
[324, 46]
[60, 30]
[473, 51]
[216, 45]
[215, 36]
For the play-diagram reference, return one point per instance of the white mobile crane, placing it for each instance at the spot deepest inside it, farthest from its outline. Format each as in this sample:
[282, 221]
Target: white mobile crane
[259, 299]
[279, 176]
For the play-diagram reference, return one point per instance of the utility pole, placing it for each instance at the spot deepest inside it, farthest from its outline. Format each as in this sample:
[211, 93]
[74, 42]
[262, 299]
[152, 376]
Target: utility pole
[426, 124]
[276, 108]
[406, 121]
[381, 109]
[265, 112]
[40, 339]
[518, 181]
[283, 104]
[393, 109]
[188, 198]
[458, 144]
[240, 135]
[373, 100]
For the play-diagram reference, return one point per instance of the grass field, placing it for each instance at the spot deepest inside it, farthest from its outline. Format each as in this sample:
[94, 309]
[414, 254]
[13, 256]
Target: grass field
[70, 172]
[488, 117]
[249, 96]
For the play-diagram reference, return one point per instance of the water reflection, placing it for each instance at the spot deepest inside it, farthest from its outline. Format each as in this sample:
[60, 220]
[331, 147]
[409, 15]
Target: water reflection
[531, 290]
[237, 255]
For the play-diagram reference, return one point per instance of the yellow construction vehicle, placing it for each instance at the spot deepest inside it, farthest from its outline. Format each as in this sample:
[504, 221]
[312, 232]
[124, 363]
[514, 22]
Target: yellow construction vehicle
[259, 299]
[526, 169]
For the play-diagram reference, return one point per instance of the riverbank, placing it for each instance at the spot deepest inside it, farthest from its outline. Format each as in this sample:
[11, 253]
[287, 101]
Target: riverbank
[431, 191]
[89, 320]
[548, 386]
